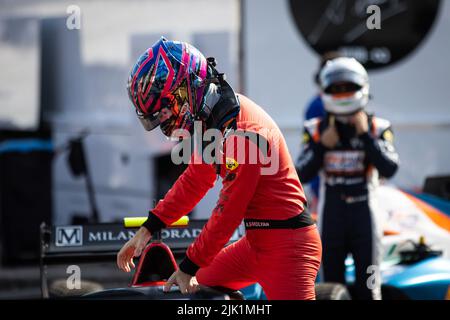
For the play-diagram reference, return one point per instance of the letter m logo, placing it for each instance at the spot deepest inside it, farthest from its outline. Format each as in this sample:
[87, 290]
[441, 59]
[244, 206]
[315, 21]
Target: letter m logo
[69, 236]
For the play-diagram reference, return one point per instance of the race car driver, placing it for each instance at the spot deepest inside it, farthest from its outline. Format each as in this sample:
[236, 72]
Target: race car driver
[351, 150]
[172, 85]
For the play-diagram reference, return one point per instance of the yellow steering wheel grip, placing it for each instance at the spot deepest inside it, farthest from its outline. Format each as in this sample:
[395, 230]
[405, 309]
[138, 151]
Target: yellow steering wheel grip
[136, 222]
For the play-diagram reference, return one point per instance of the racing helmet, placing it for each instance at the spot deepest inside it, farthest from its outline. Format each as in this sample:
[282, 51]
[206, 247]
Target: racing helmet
[167, 86]
[344, 86]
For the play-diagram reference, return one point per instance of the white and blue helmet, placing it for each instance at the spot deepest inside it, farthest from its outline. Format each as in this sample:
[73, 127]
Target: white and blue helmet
[346, 71]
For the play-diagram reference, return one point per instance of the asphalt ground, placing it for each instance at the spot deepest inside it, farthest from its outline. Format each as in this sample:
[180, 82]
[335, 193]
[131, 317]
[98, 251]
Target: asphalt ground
[24, 282]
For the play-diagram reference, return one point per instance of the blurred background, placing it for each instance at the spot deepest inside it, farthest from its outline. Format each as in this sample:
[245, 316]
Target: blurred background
[73, 151]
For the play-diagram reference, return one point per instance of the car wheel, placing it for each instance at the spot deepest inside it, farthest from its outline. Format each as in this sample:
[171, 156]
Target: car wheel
[331, 291]
[59, 288]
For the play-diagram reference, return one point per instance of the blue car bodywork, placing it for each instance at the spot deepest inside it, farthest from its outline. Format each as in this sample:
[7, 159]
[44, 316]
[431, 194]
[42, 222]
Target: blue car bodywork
[425, 280]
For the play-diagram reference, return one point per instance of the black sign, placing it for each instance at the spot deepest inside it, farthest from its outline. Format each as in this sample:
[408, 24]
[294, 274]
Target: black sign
[341, 25]
[111, 237]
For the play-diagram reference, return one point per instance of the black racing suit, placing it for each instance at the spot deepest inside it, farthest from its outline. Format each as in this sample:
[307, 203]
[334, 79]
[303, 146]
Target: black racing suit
[346, 212]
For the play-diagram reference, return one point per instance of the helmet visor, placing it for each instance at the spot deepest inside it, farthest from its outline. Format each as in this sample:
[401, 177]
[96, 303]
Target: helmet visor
[150, 121]
[342, 77]
[342, 88]
[176, 110]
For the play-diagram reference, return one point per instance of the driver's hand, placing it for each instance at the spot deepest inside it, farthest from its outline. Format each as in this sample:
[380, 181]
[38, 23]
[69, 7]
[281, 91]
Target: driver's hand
[186, 282]
[330, 136]
[359, 120]
[133, 248]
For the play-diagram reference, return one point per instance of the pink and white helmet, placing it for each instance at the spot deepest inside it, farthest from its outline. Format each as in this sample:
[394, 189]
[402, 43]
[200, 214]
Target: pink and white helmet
[170, 76]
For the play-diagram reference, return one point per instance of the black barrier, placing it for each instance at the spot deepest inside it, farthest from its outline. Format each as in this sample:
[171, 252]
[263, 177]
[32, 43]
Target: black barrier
[25, 196]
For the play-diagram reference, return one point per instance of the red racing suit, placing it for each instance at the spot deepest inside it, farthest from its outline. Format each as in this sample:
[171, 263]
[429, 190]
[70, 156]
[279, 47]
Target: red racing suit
[284, 261]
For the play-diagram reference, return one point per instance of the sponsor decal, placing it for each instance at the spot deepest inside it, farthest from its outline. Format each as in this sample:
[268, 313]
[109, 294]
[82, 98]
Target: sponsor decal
[69, 236]
[259, 224]
[218, 209]
[356, 143]
[344, 161]
[105, 236]
[388, 136]
[230, 176]
[231, 164]
[305, 138]
[180, 233]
